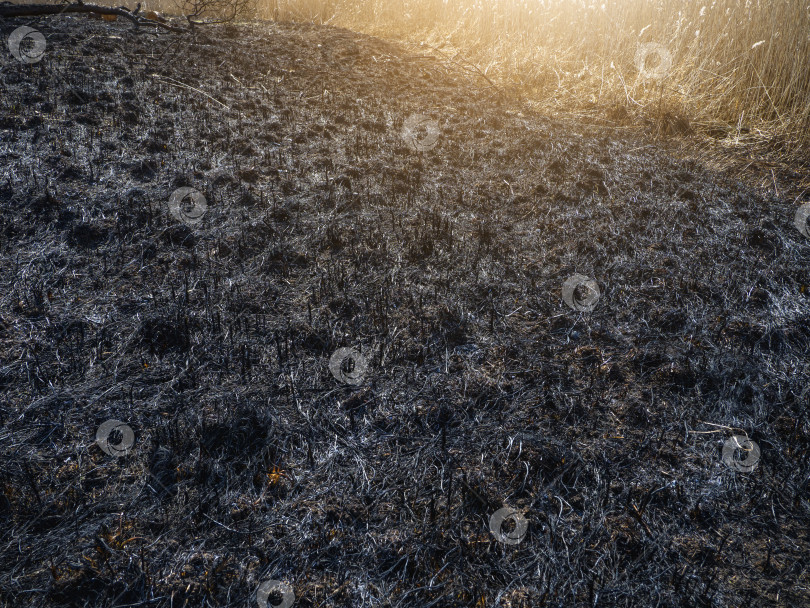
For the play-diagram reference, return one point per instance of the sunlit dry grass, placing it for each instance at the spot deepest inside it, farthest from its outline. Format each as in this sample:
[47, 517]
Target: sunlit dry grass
[739, 69]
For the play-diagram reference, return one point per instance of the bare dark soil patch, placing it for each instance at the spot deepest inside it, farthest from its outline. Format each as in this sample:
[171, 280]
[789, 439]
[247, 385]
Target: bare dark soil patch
[445, 268]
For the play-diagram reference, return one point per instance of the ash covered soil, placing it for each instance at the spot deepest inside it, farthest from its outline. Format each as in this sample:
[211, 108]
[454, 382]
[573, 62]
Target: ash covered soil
[443, 265]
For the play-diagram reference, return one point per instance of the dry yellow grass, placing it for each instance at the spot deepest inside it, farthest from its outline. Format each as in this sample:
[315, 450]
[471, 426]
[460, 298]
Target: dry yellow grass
[741, 69]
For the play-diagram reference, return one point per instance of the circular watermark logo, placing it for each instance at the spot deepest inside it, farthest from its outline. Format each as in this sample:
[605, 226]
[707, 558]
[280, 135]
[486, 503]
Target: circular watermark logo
[270, 590]
[348, 366]
[420, 132]
[188, 205]
[660, 69]
[115, 438]
[581, 293]
[26, 44]
[497, 520]
[801, 219]
[743, 443]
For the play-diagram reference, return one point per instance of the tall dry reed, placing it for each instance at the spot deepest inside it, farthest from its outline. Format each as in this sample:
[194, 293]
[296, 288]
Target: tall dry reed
[741, 69]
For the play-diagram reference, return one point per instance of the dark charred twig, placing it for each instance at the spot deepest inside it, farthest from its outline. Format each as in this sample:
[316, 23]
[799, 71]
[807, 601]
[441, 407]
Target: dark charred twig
[42, 10]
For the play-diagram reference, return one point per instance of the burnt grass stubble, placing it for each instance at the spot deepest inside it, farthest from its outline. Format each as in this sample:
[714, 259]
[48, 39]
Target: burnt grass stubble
[444, 268]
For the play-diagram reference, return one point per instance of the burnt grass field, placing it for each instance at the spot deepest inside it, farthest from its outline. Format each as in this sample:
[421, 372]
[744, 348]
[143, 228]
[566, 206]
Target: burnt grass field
[444, 267]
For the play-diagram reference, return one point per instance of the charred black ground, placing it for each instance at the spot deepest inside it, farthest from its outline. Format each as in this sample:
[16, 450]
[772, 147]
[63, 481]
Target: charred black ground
[444, 267]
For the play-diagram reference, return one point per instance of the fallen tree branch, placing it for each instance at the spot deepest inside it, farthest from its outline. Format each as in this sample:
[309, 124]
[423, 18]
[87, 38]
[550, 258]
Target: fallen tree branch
[39, 10]
[176, 83]
[465, 68]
